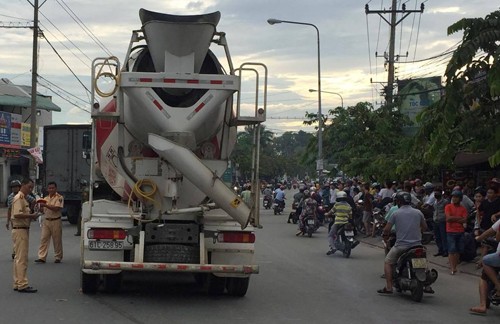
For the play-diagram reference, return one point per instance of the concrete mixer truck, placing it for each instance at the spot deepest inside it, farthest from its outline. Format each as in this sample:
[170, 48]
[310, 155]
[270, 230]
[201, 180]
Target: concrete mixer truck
[164, 125]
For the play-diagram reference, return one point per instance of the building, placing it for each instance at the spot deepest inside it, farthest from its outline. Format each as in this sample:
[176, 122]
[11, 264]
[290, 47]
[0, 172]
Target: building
[15, 118]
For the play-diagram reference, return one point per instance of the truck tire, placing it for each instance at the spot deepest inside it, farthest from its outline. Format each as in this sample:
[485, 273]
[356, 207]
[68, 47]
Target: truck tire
[113, 282]
[216, 285]
[73, 211]
[172, 253]
[90, 283]
[237, 287]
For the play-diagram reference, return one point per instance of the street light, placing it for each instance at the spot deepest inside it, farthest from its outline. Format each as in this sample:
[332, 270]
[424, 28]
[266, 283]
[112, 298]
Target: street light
[335, 93]
[319, 162]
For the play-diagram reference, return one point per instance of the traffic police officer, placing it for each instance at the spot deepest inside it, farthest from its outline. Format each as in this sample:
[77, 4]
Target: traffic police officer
[52, 224]
[21, 219]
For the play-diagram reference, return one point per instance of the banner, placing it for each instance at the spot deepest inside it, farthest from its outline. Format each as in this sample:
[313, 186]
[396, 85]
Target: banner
[36, 152]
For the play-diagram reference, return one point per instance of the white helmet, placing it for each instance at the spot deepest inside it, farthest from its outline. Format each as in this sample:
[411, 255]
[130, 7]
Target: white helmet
[341, 194]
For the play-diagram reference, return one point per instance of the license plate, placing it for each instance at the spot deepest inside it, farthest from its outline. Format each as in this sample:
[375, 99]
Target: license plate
[420, 263]
[349, 233]
[105, 245]
[310, 221]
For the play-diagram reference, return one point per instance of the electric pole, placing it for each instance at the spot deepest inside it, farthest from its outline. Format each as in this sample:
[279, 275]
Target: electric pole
[393, 23]
[34, 74]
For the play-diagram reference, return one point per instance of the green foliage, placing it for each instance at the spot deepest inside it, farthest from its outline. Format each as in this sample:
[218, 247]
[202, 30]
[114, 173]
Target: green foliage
[467, 117]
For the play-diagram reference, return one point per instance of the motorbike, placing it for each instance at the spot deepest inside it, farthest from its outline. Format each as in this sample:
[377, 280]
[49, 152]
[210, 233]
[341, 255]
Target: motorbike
[358, 218]
[311, 225]
[320, 211]
[345, 239]
[294, 214]
[492, 244]
[266, 202]
[278, 207]
[379, 221]
[412, 273]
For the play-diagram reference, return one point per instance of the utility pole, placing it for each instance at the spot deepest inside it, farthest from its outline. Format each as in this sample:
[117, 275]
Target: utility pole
[34, 74]
[393, 23]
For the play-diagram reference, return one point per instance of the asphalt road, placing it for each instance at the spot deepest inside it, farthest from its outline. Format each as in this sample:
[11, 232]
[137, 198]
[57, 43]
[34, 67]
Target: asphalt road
[297, 283]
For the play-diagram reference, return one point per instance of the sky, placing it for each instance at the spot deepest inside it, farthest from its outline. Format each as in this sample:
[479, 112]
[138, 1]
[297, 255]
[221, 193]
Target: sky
[352, 45]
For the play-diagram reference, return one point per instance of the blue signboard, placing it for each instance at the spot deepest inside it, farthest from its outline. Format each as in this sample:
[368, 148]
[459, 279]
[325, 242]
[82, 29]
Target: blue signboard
[5, 127]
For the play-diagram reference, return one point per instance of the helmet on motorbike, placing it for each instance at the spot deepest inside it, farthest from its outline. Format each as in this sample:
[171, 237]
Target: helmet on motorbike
[376, 185]
[403, 198]
[307, 193]
[457, 193]
[312, 189]
[15, 183]
[302, 188]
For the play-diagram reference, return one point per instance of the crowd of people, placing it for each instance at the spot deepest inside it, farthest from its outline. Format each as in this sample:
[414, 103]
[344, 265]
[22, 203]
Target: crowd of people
[411, 206]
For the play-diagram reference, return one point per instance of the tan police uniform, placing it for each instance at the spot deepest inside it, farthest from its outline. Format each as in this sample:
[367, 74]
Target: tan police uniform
[20, 237]
[52, 227]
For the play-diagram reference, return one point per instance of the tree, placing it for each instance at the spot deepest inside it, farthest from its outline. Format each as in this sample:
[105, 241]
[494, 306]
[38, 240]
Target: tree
[468, 115]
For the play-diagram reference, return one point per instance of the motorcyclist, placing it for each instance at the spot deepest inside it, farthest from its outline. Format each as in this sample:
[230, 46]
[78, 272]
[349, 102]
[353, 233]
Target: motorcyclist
[342, 213]
[409, 224]
[279, 196]
[297, 200]
[309, 208]
[268, 191]
[490, 262]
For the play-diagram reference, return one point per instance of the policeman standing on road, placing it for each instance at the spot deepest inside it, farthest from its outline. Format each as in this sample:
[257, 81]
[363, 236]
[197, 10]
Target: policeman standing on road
[52, 224]
[21, 219]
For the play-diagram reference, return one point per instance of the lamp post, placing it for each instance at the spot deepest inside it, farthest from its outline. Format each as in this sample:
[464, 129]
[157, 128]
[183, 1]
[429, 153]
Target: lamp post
[319, 162]
[335, 93]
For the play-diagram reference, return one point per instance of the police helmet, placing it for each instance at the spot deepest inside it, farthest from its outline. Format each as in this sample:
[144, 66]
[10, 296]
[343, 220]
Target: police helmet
[428, 186]
[15, 183]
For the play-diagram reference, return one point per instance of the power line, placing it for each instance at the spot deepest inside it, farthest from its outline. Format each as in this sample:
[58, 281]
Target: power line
[84, 27]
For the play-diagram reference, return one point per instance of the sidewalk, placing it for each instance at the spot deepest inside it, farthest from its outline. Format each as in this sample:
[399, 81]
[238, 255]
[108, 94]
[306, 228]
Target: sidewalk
[441, 263]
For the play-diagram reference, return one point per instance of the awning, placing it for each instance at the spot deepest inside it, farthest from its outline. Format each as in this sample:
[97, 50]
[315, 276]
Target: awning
[465, 159]
[42, 102]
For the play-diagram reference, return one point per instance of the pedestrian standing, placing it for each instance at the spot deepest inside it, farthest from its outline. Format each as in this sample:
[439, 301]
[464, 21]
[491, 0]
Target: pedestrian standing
[51, 225]
[456, 217]
[439, 218]
[21, 219]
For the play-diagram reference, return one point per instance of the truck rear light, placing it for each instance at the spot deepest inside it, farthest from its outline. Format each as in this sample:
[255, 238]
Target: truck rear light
[106, 234]
[236, 237]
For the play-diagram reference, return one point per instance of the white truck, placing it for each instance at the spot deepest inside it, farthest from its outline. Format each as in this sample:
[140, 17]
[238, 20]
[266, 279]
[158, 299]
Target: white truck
[161, 142]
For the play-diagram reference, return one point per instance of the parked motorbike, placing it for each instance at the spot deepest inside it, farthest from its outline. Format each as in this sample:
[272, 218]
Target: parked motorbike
[379, 221]
[345, 239]
[266, 202]
[358, 218]
[412, 272]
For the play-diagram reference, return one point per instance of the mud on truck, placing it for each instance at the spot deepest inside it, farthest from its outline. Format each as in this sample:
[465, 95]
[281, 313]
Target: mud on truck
[162, 133]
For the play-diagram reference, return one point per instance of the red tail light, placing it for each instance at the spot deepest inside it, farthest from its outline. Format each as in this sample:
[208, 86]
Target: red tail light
[236, 237]
[420, 253]
[106, 234]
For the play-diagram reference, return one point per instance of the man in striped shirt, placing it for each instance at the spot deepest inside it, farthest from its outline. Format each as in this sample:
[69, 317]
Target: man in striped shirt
[342, 212]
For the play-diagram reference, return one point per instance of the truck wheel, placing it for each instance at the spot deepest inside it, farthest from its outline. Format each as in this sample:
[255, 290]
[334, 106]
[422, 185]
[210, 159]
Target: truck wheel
[216, 285]
[90, 283]
[113, 282]
[237, 286]
[73, 212]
